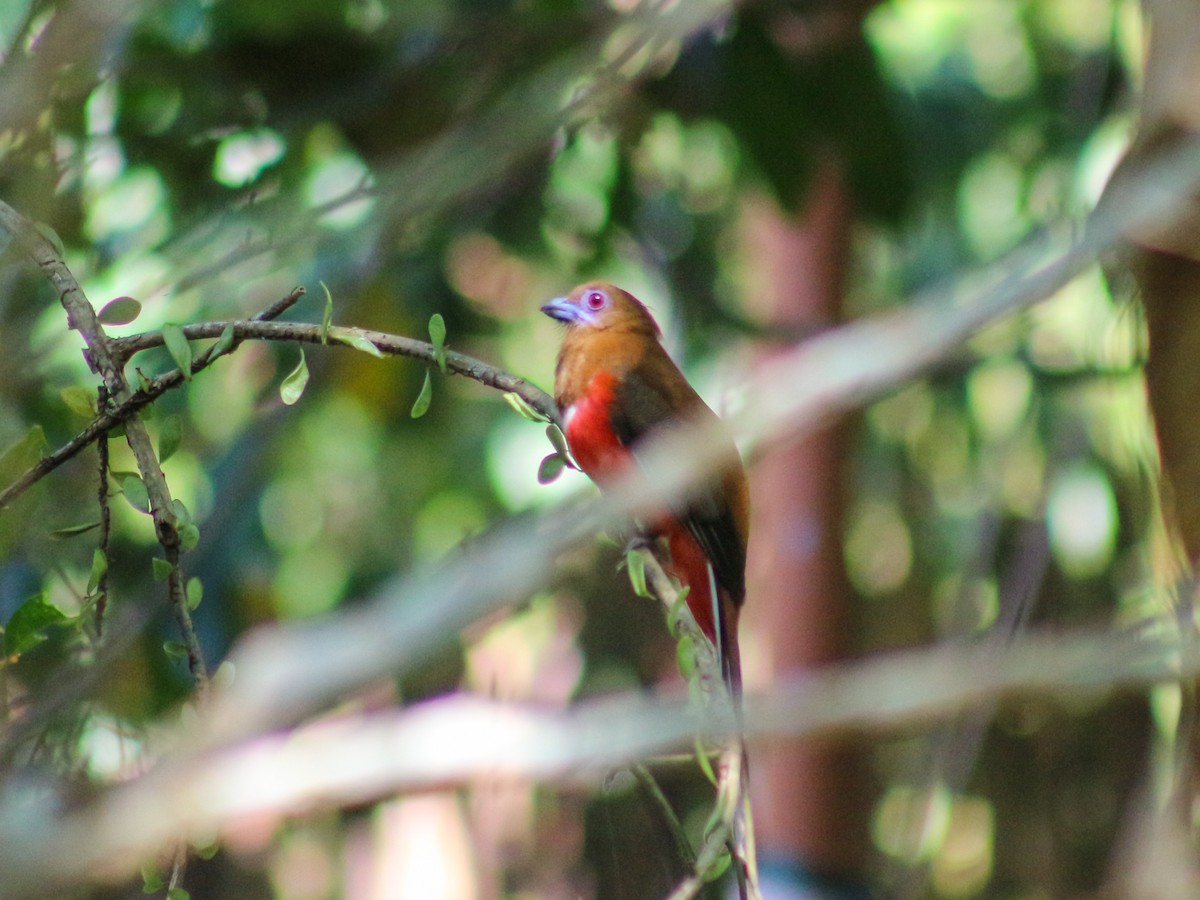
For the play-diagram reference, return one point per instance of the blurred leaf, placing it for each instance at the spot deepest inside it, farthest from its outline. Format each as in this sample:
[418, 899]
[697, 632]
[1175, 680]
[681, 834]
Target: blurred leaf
[635, 564]
[120, 311]
[293, 386]
[437, 336]
[161, 568]
[326, 314]
[152, 881]
[189, 537]
[24, 628]
[73, 530]
[143, 381]
[23, 454]
[703, 762]
[175, 649]
[524, 410]
[180, 511]
[170, 435]
[178, 893]
[718, 867]
[195, 592]
[79, 400]
[179, 347]
[551, 467]
[99, 567]
[685, 656]
[224, 342]
[133, 489]
[357, 341]
[555, 435]
[421, 404]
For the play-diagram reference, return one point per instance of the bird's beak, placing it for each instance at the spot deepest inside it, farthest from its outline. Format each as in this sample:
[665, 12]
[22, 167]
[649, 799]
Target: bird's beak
[562, 309]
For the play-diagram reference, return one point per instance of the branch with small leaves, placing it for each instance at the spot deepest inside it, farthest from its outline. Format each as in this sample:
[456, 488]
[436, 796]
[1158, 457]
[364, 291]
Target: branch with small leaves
[39, 245]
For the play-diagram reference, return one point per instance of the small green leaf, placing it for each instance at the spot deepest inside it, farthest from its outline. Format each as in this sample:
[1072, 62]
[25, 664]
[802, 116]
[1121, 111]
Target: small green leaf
[161, 568]
[195, 592]
[551, 467]
[175, 649]
[178, 893]
[99, 567]
[421, 405]
[23, 454]
[437, 331]
[223, 343]
[152, 881]
[134, 490]
[556, 439]
[635, 563]
[437, 336]
[24, 628]
[685, 657]
[189, 537]
[717, 868]
[170, 435]
[524, 410]
[179, 348]
[180, 512]
[143, 381]
[121, 311]
[79, 400]
[208, 851]
[357, 341]
[327, 314]
[293, 386]
[704, 764]
[52, 236]
[73, 530]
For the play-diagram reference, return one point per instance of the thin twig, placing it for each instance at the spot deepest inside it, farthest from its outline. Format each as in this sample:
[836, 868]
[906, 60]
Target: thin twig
[105, 515]
[661, 805]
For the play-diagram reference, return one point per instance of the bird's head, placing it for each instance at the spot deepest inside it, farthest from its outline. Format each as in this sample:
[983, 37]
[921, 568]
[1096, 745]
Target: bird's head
[600, 306]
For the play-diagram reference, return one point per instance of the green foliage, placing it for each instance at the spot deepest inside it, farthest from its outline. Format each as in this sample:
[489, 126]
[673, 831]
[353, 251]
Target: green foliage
[179, 347]
[120, 311]
[133, 489]
[170, 436]
[26, 627]
[424, 398]
[357, 341]
[437, 336]
[292, 387]
[79, 400]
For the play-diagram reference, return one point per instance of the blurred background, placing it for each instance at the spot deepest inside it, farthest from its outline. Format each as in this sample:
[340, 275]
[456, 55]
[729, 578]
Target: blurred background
[756, 173]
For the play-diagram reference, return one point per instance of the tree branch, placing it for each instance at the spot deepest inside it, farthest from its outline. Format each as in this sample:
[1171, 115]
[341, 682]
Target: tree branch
[260, 328]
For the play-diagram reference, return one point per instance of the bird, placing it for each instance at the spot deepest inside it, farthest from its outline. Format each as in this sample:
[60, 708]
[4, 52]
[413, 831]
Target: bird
[615, 384]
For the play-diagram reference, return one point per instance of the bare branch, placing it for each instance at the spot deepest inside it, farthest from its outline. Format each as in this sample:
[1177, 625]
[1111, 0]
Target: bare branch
[459, 739]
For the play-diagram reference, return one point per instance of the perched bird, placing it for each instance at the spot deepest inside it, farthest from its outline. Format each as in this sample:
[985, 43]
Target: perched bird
[614, 384]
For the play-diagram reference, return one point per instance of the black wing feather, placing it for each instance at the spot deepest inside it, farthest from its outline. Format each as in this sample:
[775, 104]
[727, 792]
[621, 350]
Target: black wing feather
[706, 516]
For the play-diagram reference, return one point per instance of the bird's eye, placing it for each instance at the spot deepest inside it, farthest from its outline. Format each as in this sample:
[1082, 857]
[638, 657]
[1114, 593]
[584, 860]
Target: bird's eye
[596, 300]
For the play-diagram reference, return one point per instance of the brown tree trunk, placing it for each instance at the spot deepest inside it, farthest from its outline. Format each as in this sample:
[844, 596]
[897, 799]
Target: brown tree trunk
[810, 800]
